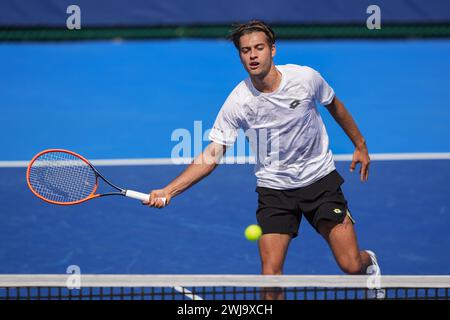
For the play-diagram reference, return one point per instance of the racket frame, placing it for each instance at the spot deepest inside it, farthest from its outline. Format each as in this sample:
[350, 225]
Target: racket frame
[92, 195]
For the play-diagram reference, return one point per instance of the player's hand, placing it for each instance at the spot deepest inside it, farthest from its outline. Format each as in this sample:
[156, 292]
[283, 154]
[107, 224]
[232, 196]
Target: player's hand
[361, 155]
[156, 199]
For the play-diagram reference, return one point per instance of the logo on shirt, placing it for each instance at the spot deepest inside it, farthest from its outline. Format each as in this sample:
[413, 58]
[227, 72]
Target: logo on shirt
[294, 104]
[337, 211]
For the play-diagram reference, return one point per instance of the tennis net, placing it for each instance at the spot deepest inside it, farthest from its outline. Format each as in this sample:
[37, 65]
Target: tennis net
[220, 287]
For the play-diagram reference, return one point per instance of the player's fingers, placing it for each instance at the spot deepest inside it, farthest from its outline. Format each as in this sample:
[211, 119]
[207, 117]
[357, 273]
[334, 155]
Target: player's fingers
[352, 166]
[152, 199]
[161, 203]
[364, 171]
[367, 172]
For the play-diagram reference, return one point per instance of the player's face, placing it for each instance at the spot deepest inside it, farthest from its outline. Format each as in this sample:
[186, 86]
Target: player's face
[256, 54]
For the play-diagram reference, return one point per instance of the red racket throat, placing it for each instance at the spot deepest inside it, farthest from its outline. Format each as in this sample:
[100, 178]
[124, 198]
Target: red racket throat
[62, 177]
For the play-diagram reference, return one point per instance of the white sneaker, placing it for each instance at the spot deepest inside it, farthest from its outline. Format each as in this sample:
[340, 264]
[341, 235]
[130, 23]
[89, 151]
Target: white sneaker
[374, 270]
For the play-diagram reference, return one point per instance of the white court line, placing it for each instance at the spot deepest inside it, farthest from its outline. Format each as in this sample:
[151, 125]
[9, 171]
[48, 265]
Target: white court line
[187, 293]
[240, 160]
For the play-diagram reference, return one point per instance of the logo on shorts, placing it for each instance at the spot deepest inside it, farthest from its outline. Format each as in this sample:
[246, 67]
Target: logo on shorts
[337, 211]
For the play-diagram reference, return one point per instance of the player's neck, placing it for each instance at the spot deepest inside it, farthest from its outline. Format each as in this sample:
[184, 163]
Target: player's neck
[269, 82]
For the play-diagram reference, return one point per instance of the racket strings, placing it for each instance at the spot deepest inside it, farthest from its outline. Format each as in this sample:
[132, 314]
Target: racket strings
[62, 177]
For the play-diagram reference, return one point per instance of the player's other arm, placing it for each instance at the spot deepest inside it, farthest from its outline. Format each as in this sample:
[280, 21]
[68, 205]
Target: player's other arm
[345, 120]
[201, 167]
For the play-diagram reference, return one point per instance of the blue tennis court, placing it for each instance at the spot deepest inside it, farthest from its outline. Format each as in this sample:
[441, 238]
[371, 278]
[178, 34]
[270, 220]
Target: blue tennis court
[124, 100]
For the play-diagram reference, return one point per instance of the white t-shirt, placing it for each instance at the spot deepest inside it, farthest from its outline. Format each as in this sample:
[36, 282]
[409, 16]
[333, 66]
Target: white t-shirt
[284, 127]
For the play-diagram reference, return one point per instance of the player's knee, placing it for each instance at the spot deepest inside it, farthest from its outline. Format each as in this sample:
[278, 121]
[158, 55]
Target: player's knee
[351, 266]
[271, 270]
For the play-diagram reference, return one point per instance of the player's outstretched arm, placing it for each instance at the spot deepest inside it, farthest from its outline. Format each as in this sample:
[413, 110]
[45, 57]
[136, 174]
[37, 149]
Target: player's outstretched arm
[345, 120]
[201, 167]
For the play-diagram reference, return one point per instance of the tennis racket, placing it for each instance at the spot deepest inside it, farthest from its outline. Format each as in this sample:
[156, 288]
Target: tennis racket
[63, 177]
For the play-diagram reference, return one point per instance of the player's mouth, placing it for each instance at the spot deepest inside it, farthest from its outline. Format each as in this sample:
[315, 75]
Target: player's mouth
[254, 65]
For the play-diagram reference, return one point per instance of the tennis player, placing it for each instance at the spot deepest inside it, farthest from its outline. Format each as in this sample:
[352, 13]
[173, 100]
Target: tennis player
[296, 176]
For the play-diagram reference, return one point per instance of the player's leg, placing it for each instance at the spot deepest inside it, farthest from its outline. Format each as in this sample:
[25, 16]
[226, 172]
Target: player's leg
[279, 218]
[341, 237]
[325, 207]
[273, 249]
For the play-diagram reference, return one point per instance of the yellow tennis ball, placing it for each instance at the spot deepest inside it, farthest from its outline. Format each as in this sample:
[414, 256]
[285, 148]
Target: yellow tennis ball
[253, 232]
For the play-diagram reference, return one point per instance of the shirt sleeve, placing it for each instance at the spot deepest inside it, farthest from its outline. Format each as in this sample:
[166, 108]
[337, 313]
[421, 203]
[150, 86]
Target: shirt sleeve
[322, 91]
[226, 127]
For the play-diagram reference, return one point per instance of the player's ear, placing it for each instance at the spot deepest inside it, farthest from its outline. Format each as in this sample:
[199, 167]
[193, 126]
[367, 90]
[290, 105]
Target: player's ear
[273, 50]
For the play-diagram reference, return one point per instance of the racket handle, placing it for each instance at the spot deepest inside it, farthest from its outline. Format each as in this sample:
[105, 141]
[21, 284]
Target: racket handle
[141, 196]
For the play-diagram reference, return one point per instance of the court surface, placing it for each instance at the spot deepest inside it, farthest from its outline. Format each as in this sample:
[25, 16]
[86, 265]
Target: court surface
[110, 100]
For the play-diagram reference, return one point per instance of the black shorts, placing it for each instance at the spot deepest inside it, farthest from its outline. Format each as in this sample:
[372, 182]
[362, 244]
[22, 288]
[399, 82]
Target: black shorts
[280, 211]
